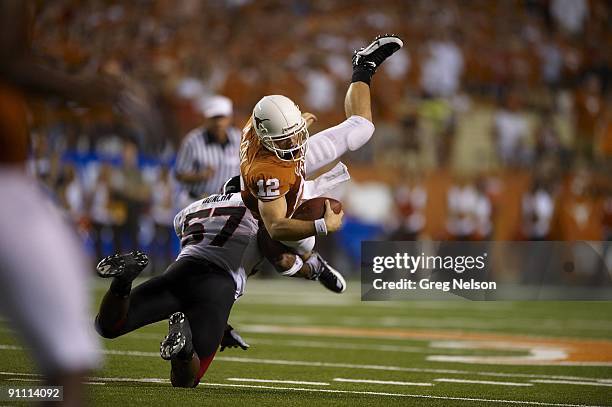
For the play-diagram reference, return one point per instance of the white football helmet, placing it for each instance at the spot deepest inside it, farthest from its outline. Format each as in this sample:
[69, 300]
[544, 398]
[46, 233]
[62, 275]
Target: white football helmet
[280, 127]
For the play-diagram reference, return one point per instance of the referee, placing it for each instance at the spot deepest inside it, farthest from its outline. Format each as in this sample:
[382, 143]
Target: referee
[209, 154]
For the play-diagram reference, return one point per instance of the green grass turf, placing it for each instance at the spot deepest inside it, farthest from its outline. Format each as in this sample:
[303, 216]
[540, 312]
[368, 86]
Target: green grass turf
[270, 307]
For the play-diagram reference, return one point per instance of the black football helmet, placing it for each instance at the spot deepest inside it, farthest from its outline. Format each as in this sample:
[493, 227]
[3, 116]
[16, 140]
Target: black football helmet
[231, 186]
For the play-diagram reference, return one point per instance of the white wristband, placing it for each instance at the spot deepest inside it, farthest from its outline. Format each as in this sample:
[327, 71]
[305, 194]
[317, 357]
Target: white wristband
[320, 227]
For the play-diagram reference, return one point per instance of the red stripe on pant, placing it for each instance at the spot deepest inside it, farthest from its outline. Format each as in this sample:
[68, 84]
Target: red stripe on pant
[204, 363]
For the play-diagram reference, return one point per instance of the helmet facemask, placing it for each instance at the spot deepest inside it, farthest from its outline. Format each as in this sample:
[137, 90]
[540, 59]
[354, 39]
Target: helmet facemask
[289, 146]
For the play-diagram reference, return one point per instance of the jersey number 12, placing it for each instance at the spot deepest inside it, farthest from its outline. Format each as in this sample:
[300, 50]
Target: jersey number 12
[270, 189]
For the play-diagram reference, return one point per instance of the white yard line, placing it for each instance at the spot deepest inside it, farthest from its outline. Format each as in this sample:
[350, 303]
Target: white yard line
[18, 374]
[341, 379]
[608, 364]
[37, 379]
[420, 396]
[36, 376]
[131, 353]
[598, 383]
[244, 379]
[129, 379]
[447, 380]
[348, 366]
[397, 368]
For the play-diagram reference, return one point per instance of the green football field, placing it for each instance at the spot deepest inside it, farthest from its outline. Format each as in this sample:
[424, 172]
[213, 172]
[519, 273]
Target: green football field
[311, 348]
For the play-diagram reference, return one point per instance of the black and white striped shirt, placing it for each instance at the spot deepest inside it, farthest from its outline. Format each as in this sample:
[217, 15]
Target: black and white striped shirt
[199, 150]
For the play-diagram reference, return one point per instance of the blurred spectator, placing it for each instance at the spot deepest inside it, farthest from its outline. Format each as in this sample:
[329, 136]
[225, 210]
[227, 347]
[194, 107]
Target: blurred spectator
[537, 208]
[403, 150]
[39, 161]
[105, 214]
[209, 155]
[608, 217]
[410, 201]
[441, 71]
[469, 212]
[73, 196]
[510, 132]
[589, 111]
[537, 212]
[320, 91]
[547, 139]
[133, 193]
[551, 64]
[607, 222]
[437, 124]
[570, 14]
[579, 215]
[605, 135]
[163, 212]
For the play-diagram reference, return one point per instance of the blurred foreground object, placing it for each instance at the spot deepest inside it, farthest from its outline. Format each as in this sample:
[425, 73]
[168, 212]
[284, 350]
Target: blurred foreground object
[42, 278]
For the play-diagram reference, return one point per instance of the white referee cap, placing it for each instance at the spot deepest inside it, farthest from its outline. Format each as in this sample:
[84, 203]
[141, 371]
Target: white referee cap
[215, 106]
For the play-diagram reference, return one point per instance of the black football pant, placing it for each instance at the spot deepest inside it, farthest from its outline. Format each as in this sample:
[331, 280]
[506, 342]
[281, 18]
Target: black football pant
[200, 289]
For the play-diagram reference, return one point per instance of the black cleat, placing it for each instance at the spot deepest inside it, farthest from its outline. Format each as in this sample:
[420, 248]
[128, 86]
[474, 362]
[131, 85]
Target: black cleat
[124, 266]
[329, 277]
[177, 344]
[375, 54]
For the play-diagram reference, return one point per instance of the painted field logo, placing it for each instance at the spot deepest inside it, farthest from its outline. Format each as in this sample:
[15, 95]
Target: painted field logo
[561, 352]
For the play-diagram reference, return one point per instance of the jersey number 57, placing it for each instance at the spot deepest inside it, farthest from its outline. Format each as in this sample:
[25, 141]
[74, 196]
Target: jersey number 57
[193, 232]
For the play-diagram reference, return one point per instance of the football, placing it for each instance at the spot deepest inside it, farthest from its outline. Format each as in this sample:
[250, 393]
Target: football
[315, 208]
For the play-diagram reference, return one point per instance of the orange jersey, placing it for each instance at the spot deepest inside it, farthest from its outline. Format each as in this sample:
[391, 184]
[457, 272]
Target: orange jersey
[265, 177]
[13, 126]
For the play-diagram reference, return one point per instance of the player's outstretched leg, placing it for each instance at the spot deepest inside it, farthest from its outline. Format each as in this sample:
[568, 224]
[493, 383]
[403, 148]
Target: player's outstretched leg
[365, 63]
[123, 268]
[367, 60]
[330, 144]
[177, 347]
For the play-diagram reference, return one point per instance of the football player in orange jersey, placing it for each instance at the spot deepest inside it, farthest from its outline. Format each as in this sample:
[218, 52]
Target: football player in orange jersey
[275, 160]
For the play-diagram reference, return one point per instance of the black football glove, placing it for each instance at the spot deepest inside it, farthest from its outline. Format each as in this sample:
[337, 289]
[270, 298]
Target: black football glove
[232, 339]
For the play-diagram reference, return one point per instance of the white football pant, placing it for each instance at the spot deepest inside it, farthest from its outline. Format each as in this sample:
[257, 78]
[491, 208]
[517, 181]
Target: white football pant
[43, 276]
